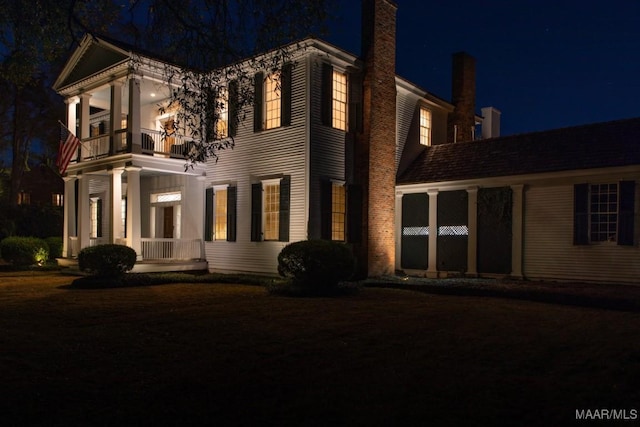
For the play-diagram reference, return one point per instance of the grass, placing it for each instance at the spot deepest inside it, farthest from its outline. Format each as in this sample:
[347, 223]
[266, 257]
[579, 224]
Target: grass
[229, 354]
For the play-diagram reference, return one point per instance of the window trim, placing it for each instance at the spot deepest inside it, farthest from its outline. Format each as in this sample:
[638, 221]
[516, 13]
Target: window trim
[428, 133]
[216, 190]
[272, 85]
[258, 208]
[345, 103]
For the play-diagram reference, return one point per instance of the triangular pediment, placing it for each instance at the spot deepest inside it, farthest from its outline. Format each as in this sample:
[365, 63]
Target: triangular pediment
[92, 57]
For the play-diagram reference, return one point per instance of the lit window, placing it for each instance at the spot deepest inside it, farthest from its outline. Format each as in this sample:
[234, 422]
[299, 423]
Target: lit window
[24, 198]
[271, 203]
[339, 106]
[96, 217]
[220, 215]
[425, 126]
[222, 125]
[272, 101]
[603, 212]
[174, 196]
[57, 199]
[338, 212]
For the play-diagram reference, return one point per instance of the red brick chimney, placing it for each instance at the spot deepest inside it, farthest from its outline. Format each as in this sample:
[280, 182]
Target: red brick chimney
[463, 96]
[377, 142]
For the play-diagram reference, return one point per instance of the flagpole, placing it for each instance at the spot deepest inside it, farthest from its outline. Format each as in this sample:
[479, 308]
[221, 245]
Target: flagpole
[69, 130]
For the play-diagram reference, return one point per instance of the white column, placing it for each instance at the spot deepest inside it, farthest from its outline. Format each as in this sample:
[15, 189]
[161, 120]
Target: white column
[133, 122]
[115, 117]
[85, 130]
[432, 269]
[116, 204]
[472, 238]
[517, 231]
[133, 210]
[84, 212]
[69, 219]
[72, 114]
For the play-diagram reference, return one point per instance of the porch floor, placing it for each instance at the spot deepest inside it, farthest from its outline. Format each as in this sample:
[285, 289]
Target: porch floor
[148, 266]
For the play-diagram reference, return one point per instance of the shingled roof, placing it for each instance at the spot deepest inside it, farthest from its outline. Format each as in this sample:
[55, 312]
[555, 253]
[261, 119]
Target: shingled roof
[598, 145]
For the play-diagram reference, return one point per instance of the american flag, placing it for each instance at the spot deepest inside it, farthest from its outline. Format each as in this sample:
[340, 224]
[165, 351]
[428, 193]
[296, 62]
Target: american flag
[68, 148]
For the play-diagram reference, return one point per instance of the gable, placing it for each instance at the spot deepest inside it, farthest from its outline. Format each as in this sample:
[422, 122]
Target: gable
[598, 145]
[92, 57]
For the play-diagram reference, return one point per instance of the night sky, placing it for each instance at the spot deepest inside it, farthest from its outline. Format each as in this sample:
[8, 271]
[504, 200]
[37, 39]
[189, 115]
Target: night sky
[544, 64]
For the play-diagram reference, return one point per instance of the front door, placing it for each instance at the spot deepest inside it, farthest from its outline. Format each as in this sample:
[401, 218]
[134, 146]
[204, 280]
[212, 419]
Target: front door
[167, 228]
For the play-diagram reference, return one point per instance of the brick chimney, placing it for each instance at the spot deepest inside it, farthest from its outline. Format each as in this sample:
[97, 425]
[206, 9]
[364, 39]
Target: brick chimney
[463, 96]
[376, 145]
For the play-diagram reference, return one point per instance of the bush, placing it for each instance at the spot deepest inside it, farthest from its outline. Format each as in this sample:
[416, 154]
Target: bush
[107, 260]
[55, 246]
[316, 266]
[22, 251]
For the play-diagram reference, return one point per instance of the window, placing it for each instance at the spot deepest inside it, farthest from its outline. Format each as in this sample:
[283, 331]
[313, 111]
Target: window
[222, 103]
[57, 199]
[95, 206]
[220, 216]
[339, 106]
[425, 126]
[338, 211]
[604, 213]
[270, 210]
[272, 106]
[24, 198]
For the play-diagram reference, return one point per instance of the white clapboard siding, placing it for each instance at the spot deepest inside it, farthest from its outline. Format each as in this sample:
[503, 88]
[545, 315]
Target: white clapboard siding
[406, 104]
[549, 252]
[259, 155]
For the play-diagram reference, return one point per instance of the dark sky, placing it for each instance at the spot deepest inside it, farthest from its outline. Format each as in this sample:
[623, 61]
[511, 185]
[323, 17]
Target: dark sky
[544, 64]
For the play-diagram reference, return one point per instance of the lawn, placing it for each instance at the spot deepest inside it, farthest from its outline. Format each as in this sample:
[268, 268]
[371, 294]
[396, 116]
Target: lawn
[221, 354]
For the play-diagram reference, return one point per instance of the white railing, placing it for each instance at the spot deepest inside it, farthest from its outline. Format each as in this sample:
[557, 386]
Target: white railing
[74, 246]
[171, 249]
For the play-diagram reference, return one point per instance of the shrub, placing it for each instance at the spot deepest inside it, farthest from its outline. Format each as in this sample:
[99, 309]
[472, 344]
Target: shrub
[316, 266]
[107, 260]
[55, 246]
[22, 251]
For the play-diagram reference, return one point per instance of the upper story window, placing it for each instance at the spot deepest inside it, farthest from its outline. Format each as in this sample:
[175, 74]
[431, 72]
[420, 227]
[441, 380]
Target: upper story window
[272, 101]
[222, 125]
[425, 126]
[339, 104]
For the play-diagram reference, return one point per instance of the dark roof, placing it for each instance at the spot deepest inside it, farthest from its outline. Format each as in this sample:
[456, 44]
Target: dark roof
[597, 145]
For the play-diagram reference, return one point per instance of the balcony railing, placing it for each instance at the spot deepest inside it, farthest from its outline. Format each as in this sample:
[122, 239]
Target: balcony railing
[152, 143]
[171, 249]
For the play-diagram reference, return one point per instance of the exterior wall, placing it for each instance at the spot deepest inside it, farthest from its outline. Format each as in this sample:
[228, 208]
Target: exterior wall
[549, 252]
[271, 153]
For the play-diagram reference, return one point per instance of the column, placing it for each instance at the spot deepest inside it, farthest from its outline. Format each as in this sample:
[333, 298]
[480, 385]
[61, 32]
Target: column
[85, 130]
[133, 210]
[72, 114]
[115, 117]
[133, 122]
[472, 238]
[116, 205]
[432, 270]
[69, 219]
[517, 231]
[84, 212]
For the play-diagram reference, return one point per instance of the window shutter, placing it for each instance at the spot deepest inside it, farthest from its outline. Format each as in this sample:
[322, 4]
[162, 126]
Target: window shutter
[355, 102]
[285, 208]
[325, 209]
[354, 213]
[256, 212]
[210, 114]
[258, 92]
[626, 203]
[231, 214]
[581, 214]
[99, 217]
[233, 108]
[208, 215]
[327, 94]
[285, 91]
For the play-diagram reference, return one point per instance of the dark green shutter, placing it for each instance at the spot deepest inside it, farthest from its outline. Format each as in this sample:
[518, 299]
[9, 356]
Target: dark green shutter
[208, 215]
[258, 89]
[327, 94]
[285, 88]
[285, 208]
[626, 202]
[354, 213]
[231, 214]
[355, 102]
[325, 209]
[99, 217]
[233, 108]
[210, 113]
[256, 212]
[581, 214]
